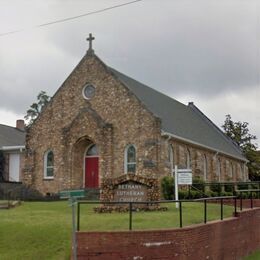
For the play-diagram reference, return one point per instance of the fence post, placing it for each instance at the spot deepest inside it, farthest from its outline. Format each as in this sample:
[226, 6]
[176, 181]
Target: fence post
[180, 211]
[221, 207]
[251, 199]
[205, 211]
[241, 206]
[78, 216]
[235, 201]
[130, 215]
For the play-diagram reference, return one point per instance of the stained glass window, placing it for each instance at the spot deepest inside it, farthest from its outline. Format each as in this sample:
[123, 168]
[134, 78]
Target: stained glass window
[48, 164]
[130, 159]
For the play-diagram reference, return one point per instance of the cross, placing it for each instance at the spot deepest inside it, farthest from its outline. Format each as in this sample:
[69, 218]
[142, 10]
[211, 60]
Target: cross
[90, 39]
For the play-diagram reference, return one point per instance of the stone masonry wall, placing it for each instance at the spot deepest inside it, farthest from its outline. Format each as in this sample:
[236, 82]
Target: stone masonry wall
[112, 119]
[197, 156]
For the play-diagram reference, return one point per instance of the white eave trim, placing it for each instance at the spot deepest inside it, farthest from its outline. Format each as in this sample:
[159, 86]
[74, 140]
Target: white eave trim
[201, 145]
[12, 148]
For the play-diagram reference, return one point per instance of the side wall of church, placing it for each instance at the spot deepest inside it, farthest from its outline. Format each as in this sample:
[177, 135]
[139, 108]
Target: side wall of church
[112, 119]
[205, 164]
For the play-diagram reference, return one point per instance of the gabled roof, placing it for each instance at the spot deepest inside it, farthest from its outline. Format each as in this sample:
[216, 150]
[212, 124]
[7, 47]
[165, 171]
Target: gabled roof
[183, 122]
[11, 136]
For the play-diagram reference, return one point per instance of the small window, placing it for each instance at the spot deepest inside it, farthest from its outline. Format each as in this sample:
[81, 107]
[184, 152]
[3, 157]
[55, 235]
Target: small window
[218, 170]
[188, 159]
[88, 91]
[231, 170]
[48, 165]
[171, 157]
[130, 159]
[92, 151]
[205, 167]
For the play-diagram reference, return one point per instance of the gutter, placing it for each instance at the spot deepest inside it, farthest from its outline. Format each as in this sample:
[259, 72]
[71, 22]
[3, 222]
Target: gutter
[11, 148]
[163, 133]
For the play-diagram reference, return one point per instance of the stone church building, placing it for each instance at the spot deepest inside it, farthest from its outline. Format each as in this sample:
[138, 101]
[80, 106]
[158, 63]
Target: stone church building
[101, 123]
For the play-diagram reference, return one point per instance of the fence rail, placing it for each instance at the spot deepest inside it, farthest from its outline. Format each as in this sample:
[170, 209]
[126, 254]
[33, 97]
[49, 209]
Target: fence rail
[221, 199]
[180, 202]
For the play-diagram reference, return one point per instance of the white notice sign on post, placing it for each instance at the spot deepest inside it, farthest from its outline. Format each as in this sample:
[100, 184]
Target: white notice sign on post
[184, 177]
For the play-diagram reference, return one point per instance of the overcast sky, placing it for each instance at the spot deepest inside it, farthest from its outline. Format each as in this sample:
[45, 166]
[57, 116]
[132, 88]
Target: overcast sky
[205, 51]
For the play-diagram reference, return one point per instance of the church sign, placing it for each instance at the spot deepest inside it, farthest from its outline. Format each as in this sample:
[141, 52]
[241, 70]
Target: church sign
[129, 188]
[130, 192]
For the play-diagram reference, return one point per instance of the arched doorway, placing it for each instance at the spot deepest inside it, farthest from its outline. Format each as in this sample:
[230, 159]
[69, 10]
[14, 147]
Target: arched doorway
[91, 167]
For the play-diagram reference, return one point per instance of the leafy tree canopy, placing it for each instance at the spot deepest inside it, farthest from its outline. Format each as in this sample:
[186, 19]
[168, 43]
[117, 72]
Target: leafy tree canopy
[239, 133]
[36, 108]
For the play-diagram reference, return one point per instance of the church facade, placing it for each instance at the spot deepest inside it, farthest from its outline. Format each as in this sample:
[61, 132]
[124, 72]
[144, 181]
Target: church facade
[103, 124]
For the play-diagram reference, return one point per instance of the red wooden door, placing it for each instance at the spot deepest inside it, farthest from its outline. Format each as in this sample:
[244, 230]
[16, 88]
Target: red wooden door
[91, 172]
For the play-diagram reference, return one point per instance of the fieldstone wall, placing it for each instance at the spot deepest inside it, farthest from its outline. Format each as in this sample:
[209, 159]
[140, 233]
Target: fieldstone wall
[109, 185]
[112, 119]
[203, 162]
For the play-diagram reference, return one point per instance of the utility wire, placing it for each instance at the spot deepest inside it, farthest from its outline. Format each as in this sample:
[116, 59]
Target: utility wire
[72, 18]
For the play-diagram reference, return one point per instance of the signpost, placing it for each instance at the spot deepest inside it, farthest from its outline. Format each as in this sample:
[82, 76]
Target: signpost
[72, 195]
[181, 177]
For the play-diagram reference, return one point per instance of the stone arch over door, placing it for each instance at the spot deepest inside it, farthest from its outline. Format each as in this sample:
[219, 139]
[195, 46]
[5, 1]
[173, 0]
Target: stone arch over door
[79, 150]
[91, 167]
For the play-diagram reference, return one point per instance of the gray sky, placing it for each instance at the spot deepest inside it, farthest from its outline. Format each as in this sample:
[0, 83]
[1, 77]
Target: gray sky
[206, 51]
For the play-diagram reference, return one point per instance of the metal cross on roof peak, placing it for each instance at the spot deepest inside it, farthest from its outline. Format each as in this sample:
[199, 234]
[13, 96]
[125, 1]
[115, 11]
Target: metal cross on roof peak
[90, 39]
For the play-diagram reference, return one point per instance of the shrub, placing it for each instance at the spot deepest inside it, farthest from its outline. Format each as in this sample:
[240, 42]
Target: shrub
[198, 184]
[242, 186]
[167, 185]
[215, 187]
[211, 194]
[183, 195]
[229, 188]
[225, 193]
[196, 194]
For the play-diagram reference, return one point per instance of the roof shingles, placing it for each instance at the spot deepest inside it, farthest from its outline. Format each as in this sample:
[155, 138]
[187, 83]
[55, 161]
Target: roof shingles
[186, 122]
[11, 136]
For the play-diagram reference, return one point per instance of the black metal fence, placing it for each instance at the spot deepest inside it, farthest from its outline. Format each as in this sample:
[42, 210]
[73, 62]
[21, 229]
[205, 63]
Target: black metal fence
[212, 189]
[131, 208]
[227, 186]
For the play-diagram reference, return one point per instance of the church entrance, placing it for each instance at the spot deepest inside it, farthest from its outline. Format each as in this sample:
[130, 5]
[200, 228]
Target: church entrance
[91, 167]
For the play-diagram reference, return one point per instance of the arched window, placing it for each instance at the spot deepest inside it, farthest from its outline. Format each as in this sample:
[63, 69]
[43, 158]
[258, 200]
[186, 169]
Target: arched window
[92, 150]
[130, 159]
[188, 159]
[218, 169]
[241, 172]
[205, 167]
[245, 178]
[171, 157]
[231, 170]
[48, 165]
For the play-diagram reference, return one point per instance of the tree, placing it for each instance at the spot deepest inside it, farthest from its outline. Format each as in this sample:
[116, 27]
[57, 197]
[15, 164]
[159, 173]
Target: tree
[36, 108]
[239, 133]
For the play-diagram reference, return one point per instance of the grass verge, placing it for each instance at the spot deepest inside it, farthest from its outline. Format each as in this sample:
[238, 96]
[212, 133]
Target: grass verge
[42, 230]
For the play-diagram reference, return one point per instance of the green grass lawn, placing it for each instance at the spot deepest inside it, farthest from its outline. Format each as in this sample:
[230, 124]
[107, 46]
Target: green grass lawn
[254, 256]
[42, 230]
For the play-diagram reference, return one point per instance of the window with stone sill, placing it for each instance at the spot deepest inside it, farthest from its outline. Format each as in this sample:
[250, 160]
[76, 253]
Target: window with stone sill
[49, 165]
[130, 159]
[218, 172]
[171, 157]
[205, 167]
